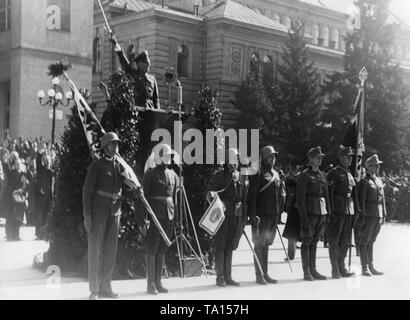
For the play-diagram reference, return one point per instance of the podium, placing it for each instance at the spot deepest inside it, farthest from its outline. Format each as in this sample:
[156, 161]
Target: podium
[151, 120]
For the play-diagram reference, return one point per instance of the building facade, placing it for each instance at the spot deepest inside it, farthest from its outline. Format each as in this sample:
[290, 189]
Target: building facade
[34, 34]
[214, 42]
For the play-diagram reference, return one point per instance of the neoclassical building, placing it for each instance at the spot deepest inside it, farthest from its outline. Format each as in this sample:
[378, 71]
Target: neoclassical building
[211, 42]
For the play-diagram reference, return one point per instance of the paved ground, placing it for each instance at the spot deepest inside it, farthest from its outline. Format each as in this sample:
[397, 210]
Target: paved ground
[18, 280]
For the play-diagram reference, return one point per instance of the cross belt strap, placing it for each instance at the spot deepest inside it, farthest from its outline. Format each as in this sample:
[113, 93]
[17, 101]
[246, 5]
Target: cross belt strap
[111, 196]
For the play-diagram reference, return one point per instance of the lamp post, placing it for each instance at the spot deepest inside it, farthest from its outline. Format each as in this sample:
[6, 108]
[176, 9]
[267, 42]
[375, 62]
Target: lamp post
[55, 98]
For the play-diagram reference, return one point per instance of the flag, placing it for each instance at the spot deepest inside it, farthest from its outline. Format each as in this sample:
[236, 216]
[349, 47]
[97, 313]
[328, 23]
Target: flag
[354, 136]
[94, 131]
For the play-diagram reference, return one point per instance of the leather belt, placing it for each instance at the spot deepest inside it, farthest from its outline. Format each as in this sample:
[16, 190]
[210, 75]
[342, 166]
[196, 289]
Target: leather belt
[161, 198]
[111, 196]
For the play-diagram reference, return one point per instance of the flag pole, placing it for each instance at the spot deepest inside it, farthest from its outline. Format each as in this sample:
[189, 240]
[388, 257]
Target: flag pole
[363, 76]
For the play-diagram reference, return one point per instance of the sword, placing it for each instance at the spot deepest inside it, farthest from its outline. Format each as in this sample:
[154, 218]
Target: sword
[254, 253]
[284, 249]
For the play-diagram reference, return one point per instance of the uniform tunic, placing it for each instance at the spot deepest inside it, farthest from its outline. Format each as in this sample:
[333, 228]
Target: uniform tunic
[145, 85]
[371, 198]
[292, 227]
[160, 188]
[102, 202]
[312, 198]
[234, 199]
[343, 203]
[265, 201]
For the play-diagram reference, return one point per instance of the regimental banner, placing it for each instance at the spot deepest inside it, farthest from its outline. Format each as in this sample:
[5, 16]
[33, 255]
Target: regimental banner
[59, 15]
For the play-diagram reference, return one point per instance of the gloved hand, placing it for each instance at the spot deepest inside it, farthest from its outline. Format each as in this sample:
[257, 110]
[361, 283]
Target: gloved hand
[114, 41]
[210, 196]
[88, 224]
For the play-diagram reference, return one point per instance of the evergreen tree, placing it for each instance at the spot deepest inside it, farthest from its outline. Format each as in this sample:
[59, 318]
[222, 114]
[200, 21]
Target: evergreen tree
[64, 229]
[386, 111]
[196, 177]
[296, 96]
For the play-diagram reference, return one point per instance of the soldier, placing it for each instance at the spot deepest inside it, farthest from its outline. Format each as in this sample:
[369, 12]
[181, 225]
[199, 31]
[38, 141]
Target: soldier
[146, 87]
[265, 206]
[231, 187]
[343, 204]
[160, 187]
[102, 210]
[372, 212]
[312, 199]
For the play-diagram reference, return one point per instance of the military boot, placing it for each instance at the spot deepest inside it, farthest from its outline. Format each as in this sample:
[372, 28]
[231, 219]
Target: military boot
[312, 263]
[364, 260]
[371, 267]
[219, 265]
[228, 269]
[159, 267]
[265, 266]
[333, 254]
[260, 279]
[151, 287]
[341, 262]
[304, 252]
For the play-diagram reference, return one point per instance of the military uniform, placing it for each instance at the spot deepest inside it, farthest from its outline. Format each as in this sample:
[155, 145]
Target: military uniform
[312, 200]
[292, 227]
[160, 188]
[145, 85]
[343, 203]
[232, 189]
[102, 204]
[372, 213]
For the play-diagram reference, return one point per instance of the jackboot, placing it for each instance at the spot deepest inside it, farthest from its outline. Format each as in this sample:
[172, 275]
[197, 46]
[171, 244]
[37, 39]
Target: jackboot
[304, 252]
[364, 260]
[159, 267]
[341, 262]
[219, 266]
[334, 256]
[228, 269]
[151, 287]
[371, 266]
[312, 263]
[265, 266]
[260, 279]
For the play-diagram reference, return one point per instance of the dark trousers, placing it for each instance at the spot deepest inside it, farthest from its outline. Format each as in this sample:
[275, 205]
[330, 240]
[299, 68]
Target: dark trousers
[43, 207]
[223, 263]
[154, 243]
[369, 230]
[102, 252]
[310, 235]
[340, 238]
[12, 228]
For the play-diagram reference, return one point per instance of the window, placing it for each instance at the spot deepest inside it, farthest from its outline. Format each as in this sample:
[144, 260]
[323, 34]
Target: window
[183, 59]
[316, 33]
[97, 55]
[268, 67]
[5, 15]
[326, 35]
[254, 64]
[276, 17]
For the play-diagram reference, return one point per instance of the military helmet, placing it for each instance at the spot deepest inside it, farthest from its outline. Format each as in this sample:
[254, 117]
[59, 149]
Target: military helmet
[267, 151]
[108, 138]
[345, 151]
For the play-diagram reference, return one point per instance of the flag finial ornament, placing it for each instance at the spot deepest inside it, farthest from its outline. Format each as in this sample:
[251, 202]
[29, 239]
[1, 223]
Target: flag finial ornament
[363, 75]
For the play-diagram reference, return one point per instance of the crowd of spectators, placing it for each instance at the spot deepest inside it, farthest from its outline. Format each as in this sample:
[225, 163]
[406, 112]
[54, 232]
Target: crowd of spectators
[26, 183]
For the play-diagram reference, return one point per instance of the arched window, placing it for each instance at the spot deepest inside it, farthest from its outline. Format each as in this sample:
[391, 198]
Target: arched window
[336, 39]
[288, 22]
[183, 61]
[316, 33]
[267, 63]
[97, 55]
[254, 64]
[326, 35]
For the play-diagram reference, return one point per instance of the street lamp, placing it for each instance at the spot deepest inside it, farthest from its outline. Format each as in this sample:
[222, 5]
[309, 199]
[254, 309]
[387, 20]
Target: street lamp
[55, 98]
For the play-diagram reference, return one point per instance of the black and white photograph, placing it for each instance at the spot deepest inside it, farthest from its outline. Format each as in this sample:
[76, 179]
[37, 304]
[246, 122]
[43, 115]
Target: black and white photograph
[221, 152]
